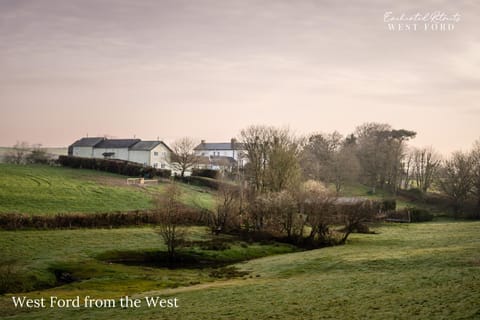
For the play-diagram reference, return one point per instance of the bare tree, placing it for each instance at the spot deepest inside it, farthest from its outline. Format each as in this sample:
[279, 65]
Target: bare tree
[317, 204]
[38, 155]
[330, 158]
[457, 179]
[18, 153]
[475, 157]
[344, 167]
[184, 157]
[355, 215]
[170, 218]
[227, 211]
[425, 166]
[272, 158]
[381, 151]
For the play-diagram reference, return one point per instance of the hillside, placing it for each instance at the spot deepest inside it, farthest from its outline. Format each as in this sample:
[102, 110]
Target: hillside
[404, 271]
[38, 189]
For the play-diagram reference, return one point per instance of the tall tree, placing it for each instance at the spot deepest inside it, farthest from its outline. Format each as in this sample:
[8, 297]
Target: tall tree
[170, 218]
[381, 151]
[425, 166]
[475, 157]
[272, 158]
[184, 157]
[18, 154]
[457, 179]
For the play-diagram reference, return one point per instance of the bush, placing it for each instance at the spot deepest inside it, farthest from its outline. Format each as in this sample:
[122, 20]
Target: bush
[413, 194]
[389, 205]
[420, 215]
[207, 173]
[122, 167]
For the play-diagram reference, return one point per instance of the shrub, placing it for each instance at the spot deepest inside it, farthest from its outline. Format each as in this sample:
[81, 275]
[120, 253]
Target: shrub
[122, 167]
[419, 215]
[207, 173]
[389, 204]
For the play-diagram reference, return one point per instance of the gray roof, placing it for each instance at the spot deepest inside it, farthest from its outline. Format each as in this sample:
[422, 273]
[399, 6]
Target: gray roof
[145, 145]
[117, 143]
[87, 142]
[218, 146]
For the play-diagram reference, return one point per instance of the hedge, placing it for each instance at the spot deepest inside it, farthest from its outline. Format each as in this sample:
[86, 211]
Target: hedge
[122, 167]
[19, 221]
[207, 173]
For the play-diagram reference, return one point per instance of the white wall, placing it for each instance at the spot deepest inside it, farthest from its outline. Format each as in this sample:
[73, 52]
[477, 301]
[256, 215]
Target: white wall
[235, 154]
[160, 157]
[120, 153]
[85, 152]
[139, 156]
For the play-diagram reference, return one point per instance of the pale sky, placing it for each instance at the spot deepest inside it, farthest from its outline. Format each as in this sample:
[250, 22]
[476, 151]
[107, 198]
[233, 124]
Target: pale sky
[207, 69]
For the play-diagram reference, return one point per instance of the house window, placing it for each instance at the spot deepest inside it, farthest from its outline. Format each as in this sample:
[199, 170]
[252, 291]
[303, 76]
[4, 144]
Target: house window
[155, 153]
[163, 165]
[155, 165]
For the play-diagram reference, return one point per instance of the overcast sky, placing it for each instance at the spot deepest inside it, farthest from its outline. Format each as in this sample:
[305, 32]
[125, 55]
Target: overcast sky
[207, 69]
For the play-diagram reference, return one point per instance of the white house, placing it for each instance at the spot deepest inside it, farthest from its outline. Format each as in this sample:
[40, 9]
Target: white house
[149, 153]
[221, 155]
[84, 147]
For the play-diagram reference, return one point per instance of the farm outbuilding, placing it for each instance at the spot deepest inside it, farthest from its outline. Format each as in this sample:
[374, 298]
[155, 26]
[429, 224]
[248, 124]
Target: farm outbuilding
[149, 153]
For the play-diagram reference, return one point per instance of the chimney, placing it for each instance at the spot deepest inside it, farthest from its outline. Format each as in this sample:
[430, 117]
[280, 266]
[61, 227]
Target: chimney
[233, 142]
[203, 141]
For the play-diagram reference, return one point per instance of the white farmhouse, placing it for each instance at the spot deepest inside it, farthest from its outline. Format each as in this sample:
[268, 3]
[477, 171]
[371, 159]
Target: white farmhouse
[221, 155]
[148, 153]
[114, 149]
[84, 147]
[151, 153]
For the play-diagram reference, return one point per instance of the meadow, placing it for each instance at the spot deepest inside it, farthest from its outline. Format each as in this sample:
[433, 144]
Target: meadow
[41, 189]
[404, 271]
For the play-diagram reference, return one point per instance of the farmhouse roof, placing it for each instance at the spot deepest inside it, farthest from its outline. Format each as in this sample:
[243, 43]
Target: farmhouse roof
[218, 146]
[87, 142]
[148, 145]
[117, 143]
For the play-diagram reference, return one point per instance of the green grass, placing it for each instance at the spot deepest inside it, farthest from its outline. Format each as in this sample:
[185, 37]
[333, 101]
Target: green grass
[39, 189]
[405, 271]
[85, 254]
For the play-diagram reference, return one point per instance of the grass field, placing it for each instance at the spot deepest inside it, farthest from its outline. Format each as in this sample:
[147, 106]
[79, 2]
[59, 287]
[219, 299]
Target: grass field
[405, 271]
[39, 189]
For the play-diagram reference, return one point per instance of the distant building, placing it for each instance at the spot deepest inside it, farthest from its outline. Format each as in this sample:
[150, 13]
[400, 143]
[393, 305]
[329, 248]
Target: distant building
[221, 155]
[149, 153]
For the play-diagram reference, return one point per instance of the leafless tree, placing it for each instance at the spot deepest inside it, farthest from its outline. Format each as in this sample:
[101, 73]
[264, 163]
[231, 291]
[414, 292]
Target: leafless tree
[170, 218]
[331, 159]
[272, 158]
[228, 209]
[184, 157]
[38, 155]
[18, 153]
[457, 179]
[317, 205]
[381, 151]
[425, 166]
[355, 215]
[475, 157]
[344, 167]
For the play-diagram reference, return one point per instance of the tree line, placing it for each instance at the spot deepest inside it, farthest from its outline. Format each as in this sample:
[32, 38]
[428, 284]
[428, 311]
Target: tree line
[375, 155]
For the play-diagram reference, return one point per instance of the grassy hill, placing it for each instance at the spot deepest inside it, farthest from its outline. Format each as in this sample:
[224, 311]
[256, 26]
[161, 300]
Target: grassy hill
[405, 271]
[39, 189]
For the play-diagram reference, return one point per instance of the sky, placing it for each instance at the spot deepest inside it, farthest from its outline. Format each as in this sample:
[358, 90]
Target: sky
[209, 68]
